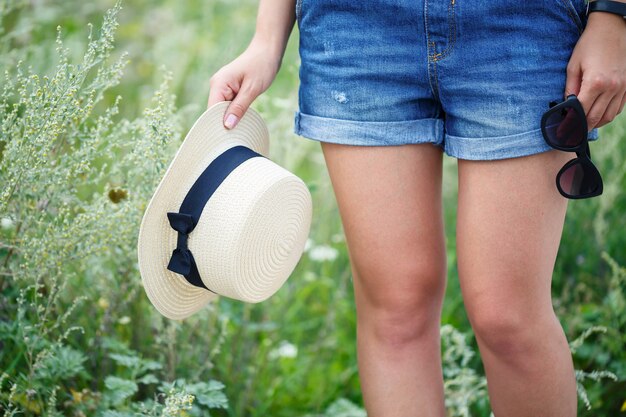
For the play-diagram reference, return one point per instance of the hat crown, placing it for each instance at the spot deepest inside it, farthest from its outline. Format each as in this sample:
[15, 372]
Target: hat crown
[251, 219]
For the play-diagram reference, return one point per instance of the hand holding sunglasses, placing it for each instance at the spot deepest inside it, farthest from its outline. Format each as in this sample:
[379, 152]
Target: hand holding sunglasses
[564, 127]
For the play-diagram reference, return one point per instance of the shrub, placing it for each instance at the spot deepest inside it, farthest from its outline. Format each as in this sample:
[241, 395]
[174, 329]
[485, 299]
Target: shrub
[75, 181]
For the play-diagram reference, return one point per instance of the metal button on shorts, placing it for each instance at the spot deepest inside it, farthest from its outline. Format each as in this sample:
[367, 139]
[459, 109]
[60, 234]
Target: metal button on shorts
[470, 76]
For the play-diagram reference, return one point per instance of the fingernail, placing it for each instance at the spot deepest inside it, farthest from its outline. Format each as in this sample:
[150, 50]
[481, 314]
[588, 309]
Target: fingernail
[231, 121]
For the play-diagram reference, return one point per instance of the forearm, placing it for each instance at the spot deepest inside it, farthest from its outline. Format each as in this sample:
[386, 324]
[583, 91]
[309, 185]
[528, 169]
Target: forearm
[275, 20]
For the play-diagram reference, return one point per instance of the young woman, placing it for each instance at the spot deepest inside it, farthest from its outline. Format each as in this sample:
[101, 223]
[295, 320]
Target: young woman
[387, 87]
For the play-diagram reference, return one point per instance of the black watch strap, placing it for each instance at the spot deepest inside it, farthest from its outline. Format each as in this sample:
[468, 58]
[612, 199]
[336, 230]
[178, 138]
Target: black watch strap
[610, 6]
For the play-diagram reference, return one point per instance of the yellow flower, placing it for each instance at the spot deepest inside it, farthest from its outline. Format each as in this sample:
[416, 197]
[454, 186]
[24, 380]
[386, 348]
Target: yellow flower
[103, 303]
[76, 396]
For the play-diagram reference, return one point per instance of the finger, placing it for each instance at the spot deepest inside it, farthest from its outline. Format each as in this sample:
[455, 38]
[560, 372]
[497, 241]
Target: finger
[611, 111]
[590, 89]
[594, 116]
[240, 104]
[573, 79]
[220, 91]
[621, 106]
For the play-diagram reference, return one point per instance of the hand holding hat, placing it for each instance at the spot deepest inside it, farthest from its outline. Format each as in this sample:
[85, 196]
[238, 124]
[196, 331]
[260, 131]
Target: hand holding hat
[244, 79]
[224, 220]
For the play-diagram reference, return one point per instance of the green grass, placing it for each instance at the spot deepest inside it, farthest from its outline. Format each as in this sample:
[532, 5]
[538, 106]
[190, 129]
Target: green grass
[110, 352]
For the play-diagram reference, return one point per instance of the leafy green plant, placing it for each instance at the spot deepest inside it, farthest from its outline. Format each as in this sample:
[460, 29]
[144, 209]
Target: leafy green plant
[84, 139]
[606, 352]
[75, 181]
[463, 386]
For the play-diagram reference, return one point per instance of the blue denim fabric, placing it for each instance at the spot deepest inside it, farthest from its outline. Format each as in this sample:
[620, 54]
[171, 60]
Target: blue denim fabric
[470, 76]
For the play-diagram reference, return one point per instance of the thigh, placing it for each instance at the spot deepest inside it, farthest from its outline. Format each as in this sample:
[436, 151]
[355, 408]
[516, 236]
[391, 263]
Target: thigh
[389, 199]
[509, 225]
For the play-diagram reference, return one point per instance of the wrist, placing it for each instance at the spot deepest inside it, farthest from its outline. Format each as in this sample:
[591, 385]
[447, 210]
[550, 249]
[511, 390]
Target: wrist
[273, 46]
[270, 52]
[604, 17]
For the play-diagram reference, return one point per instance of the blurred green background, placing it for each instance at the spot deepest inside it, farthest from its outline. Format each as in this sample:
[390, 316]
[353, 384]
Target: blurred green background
[88, 128]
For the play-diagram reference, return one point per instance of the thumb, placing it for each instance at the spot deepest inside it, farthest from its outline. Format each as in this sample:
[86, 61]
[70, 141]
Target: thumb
[573, 79]
[239, 105]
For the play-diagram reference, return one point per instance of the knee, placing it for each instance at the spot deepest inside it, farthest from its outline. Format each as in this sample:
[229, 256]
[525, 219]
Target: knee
[506, 332]
[405, 305]
[401, 326]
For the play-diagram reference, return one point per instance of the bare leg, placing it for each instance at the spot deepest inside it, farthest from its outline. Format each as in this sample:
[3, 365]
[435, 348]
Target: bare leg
[389, 198]
[509, 226]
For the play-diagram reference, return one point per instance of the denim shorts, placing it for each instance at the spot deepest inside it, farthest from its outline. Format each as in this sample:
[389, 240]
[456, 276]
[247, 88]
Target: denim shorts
[470, 76]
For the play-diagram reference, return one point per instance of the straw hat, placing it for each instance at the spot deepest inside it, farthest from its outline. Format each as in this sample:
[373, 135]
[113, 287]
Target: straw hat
[252, 218]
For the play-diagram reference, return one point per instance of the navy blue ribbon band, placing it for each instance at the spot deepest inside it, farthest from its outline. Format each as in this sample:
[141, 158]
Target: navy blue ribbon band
[187, 218]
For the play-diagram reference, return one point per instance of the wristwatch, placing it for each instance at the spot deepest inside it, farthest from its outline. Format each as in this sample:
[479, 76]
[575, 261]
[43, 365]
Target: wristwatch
[610, 6]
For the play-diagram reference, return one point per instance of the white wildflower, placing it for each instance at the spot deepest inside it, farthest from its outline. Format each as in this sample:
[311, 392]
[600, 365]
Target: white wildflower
[6, 223]
[284, 350]
[176, 402]
[323, 253]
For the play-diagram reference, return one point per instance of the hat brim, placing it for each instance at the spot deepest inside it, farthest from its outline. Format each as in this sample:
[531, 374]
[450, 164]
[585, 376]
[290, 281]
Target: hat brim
[169, 292]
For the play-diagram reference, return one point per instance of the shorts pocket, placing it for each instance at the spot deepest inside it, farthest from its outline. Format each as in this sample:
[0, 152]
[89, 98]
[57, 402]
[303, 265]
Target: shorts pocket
[575, 10]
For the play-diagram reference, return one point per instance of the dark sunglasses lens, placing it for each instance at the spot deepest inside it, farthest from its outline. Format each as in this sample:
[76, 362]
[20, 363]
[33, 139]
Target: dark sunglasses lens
[577, 180]
[564, 128]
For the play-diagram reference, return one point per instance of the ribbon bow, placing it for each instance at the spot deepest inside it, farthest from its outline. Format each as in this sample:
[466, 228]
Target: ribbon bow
[181, 259]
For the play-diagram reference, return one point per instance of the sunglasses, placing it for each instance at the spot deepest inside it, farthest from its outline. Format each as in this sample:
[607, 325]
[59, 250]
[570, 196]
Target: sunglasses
[564, 127]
